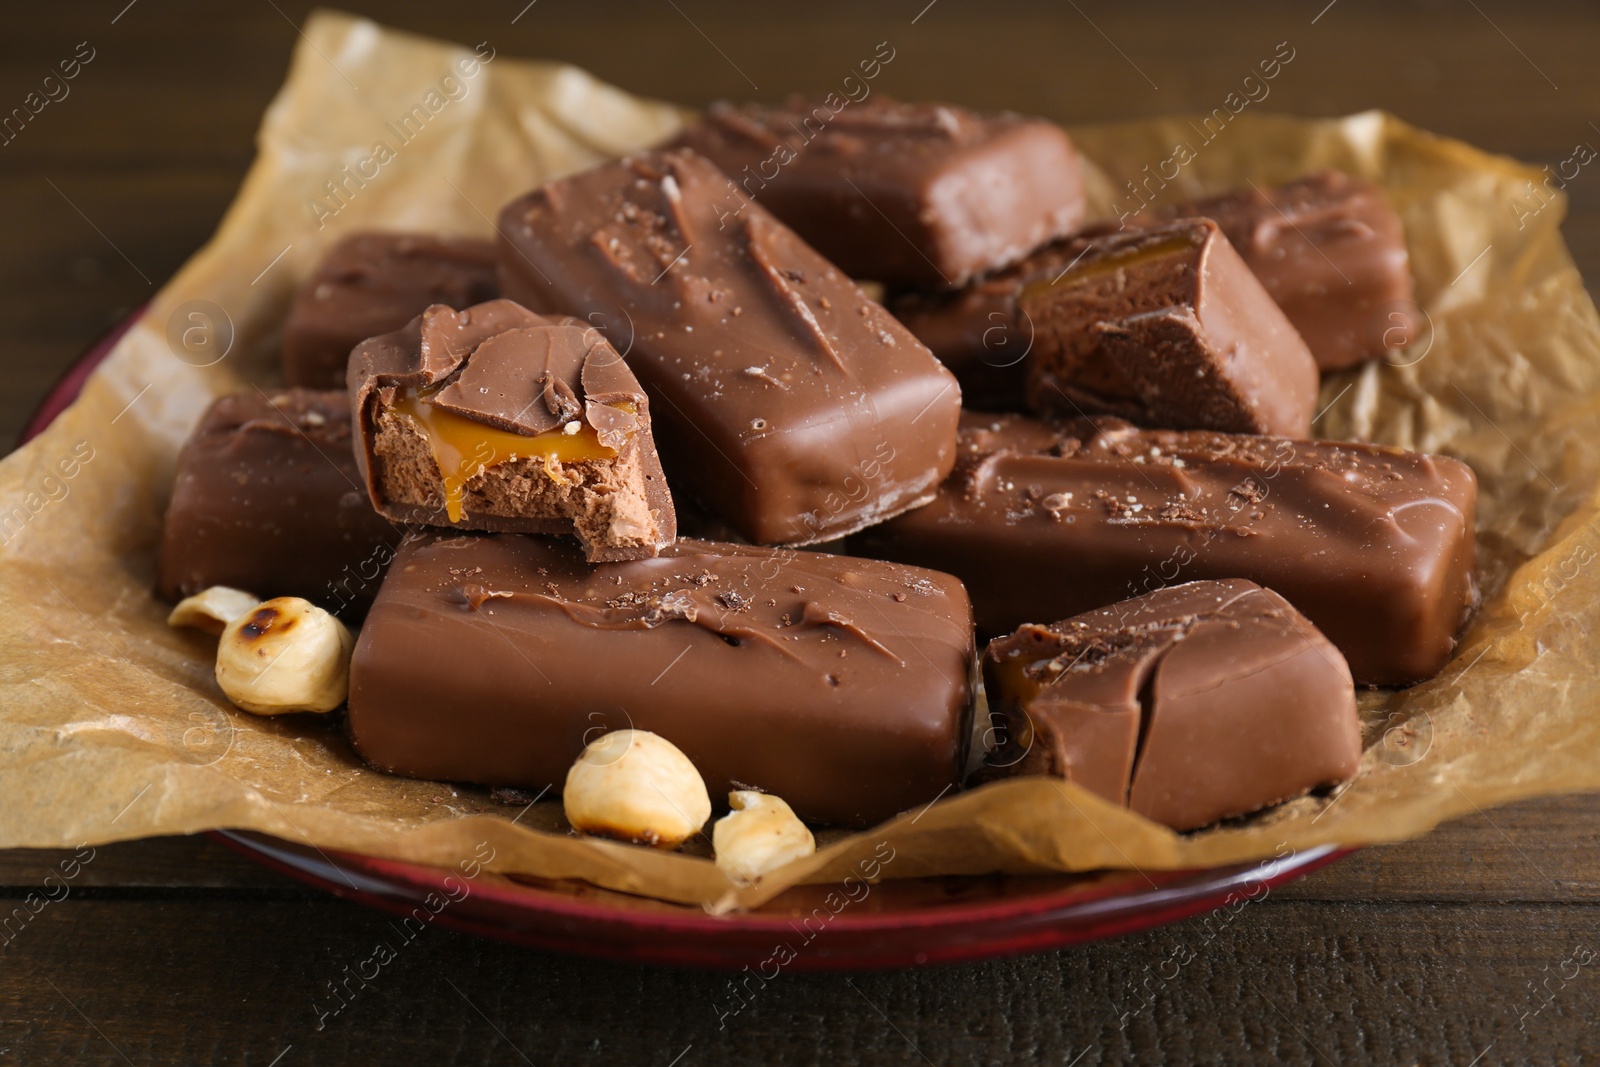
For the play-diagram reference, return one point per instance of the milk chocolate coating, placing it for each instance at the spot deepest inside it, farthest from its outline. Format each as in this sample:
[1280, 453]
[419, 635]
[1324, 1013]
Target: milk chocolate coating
[372, 283]
[501, 366]
[791, 405]
[1332, 253]
[1334, 259]
[1167, 327]
[917, 195]
[1188, 705]
[268, 499]
[1375, 545]
[841, 685]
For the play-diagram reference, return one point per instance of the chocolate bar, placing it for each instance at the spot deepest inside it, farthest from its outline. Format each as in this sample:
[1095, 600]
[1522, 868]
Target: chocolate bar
[1328, 249]
[916, 195]
[1332, 254]
[1374, 544]
[1167, 327]
[494, 418]
[841, 685]
[791, 405]
[268, 499]
[372, 283]
[1188, 705]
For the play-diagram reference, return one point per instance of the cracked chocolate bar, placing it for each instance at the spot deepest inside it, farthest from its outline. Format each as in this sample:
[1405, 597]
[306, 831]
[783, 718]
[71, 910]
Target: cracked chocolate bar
[792, 406]
[1188, 705]
[841, 685]
[1374, 544]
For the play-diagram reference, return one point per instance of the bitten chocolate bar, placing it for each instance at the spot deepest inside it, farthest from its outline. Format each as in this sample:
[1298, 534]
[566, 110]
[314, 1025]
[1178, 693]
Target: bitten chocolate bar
[494, 418]
[1332, 253]
[1374, 544]
[1167, 327]
[916, 195]
[268, 499]
[841, 685]
[372, 283]
[792, 406]
[1188, 705]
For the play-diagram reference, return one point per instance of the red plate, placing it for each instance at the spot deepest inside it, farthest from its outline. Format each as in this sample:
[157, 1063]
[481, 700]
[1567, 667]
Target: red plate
[897, 923]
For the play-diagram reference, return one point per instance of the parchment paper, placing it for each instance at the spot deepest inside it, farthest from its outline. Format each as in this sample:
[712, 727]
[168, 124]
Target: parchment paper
[111, 725]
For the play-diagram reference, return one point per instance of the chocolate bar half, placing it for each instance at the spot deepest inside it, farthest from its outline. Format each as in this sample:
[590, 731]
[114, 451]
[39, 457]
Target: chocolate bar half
[1332, 253]
[1166, 327]
[1328, 248]
[268, 499]
[1374, 544]
[1188, 705]
[790, 404]
[494, 418]
[916, 195]
[372, 283]
[841, 685]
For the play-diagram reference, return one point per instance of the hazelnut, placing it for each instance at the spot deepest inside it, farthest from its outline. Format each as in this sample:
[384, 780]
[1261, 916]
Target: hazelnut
[760, 834]
[636, 786]
[285, 655]
[212, 609]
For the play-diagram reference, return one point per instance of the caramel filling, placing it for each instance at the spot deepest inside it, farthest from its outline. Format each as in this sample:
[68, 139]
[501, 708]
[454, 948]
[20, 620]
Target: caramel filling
[464, 448]
[1119, 260]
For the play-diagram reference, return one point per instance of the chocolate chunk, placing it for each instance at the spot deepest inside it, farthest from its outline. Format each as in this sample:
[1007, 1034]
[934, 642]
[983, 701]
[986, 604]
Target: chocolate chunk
[373, 283]
[1374, 544]
[1167, 327]
[917, 195]
[268, 499]
[1332, 253]
[494, 418]
[1188, 705]
[795, 408]
[495, 659]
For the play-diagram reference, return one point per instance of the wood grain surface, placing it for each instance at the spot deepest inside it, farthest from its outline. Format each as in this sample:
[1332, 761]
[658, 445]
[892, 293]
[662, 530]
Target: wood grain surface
[1460, 948]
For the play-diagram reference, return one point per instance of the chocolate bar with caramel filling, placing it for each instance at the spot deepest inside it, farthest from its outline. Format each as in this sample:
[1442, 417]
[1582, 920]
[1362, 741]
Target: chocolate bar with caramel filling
[494, 418]
[791, 405]
[372, 283]
[1332, 254]
[1167, 327]
[1188, 705]
[841, 685]
[1374, 544]
[916, 195]
[268, 499]
[1328, 249]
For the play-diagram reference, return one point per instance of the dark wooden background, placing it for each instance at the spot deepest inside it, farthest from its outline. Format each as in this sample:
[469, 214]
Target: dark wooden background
[1456, 949]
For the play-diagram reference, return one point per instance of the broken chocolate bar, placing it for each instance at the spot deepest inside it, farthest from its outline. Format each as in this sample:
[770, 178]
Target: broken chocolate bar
[839, 684]
[1188, 705]
[494, 418]
[1328, 249]
[794, 408]
[1167, 327]
[1374, 544]
[372, 283]
[916, 195]
[268, 499]
[1332, 254]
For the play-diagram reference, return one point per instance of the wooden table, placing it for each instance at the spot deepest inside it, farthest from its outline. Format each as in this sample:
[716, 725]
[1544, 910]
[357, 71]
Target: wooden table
[1457, 949]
